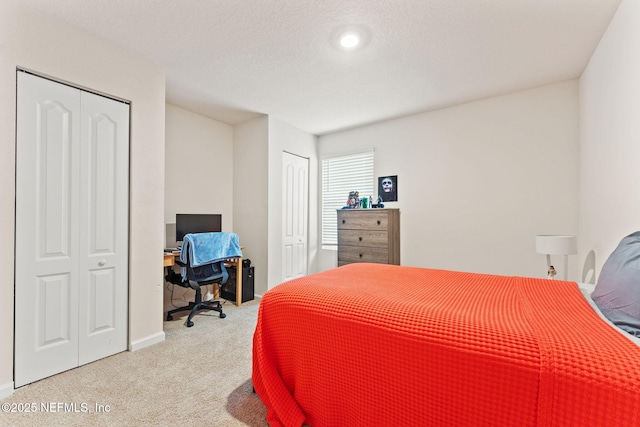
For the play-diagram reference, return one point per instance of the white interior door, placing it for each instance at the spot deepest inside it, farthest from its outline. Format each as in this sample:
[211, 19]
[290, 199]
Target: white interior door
[47, 200]
[295, 202]
[71, 228]
[103, 245]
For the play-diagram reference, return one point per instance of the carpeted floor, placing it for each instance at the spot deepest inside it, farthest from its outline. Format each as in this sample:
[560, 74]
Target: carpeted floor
[197, 376]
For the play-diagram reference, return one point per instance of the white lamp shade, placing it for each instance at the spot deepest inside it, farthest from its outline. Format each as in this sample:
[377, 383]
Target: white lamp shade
[556, 245]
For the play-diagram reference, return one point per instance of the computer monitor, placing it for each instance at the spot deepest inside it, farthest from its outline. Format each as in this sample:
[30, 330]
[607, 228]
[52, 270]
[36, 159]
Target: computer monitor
[197, 223]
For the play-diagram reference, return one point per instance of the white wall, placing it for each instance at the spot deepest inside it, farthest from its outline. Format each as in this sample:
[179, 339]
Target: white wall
[478, 181]
[42, 44]
[610, 138]
[284, 137]
[198, 177]
[250, 194]
[198, 166]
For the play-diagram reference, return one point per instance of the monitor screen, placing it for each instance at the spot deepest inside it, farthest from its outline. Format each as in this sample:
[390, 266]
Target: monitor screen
[197, 223]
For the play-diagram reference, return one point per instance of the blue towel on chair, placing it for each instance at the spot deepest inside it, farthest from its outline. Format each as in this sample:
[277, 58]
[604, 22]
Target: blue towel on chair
[207, 248]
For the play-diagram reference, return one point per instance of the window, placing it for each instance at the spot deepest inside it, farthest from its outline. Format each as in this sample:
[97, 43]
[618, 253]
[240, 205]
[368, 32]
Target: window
[340, 175]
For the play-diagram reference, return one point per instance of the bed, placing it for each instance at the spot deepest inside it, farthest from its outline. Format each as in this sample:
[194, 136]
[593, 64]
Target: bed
[382, 345]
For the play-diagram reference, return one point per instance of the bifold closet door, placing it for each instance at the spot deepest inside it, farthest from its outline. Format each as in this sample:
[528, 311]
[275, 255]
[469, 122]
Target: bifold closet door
[295, 208]
[71, 260]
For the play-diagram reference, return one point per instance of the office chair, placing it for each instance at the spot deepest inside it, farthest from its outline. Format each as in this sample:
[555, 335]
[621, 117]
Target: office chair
[202, 260]
[195, 278]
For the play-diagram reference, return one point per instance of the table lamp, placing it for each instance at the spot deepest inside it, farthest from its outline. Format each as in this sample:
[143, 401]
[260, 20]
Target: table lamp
[557, 245]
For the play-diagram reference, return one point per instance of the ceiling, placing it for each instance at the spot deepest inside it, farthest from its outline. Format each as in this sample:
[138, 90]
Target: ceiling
[233, 60]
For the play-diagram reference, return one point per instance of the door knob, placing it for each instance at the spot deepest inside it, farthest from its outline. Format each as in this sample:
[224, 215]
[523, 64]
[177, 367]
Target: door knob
[102, 263]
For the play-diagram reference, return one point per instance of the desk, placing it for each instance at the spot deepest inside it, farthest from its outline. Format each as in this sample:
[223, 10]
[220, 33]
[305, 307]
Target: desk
[170, 261]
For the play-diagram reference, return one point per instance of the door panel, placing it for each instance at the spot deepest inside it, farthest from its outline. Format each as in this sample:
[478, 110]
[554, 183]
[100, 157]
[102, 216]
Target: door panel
[52, 311]
[102, 298]
[295, 196]
[104, 162]
[288, 217]
[101, 143]
[300, 202]
[53, 186]
[46, 278]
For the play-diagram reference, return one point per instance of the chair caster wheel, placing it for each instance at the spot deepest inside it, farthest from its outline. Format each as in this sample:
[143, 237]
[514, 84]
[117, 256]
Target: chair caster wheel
[169, 317]
[222, 315]
[189, 323]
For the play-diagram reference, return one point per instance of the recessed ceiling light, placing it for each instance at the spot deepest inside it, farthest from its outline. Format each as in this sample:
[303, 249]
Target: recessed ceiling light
[349, 40]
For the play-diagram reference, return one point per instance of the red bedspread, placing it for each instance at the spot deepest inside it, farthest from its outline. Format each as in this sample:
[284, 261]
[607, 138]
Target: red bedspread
[380, 345]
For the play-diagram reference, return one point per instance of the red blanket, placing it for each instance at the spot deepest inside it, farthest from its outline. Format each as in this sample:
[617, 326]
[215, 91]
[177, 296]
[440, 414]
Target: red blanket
[379, 345]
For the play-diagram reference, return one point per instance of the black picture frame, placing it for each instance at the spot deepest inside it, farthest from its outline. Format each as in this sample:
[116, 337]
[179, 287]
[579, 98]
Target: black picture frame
[388, 193]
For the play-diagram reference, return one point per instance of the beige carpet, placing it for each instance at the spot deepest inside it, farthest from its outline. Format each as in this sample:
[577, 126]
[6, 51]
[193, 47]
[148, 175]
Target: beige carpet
[197, 376]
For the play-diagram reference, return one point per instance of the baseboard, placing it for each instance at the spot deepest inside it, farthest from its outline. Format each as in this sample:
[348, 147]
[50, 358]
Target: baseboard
[147, 341]
[6, 390]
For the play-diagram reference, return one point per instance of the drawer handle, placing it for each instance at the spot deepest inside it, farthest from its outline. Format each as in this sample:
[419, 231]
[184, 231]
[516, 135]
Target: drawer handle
[378, 221]
[360, 238]
[360, 255]
[343, 221]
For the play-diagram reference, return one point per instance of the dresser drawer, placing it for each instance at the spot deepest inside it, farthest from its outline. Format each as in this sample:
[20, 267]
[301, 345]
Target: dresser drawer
[362, 238]
[349, 254]
[362, 219]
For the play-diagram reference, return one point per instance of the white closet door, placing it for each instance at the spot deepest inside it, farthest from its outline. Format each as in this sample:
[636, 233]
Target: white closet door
[295, 202]
[103, 247]
[57, 189]
[47, 200]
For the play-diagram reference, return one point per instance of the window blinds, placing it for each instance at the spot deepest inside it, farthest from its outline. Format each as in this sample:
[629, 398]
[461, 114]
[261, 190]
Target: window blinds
[341, 175]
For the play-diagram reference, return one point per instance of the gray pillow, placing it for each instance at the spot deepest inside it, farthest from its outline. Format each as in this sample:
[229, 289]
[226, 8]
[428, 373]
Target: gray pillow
[617, 292]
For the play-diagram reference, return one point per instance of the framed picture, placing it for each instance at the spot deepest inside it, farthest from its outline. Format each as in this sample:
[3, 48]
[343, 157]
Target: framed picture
[388, 188]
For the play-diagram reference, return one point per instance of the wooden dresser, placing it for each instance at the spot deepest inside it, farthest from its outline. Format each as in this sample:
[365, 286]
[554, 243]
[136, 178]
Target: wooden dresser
[369, 235]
